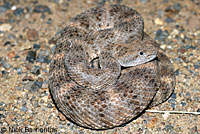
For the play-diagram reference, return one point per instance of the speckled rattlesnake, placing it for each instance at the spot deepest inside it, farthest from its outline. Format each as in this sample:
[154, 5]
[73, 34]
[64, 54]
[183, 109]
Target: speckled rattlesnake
[105, 70]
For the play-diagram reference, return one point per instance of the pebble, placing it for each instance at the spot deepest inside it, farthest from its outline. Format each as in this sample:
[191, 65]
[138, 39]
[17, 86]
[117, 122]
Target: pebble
[49, 105]
[42, 9]
[173, 96]
[169, 20]
[23, 108]
[31, 56]
[2, 116]
[43, 56]
[4, 63]
[11, 54]
[175, 32]
[27, 78]
[36, 46]
[32, 35]
[35, 70]
[19, 11]
[161, 35]
[5, 7]
[49, 21]
[163, 46]
[143, 1]
[171, 100]
[182, 104]
[168, 128]
[5, 27]
[19, 71]
[53, 47]
[28, 85]
[3, 72]
[13, 8]
[160, 13]
[38, 84]
[33, 86]
[158, 21]
[177, 6]
[7, 43]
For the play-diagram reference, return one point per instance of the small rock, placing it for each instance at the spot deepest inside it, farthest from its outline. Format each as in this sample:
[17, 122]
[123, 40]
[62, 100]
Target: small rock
[38, 83]
[165, 1]
[31, 56]
[53, 47]
[143, 1]
[36, 46]
[43, 56]
[42, 9]
[173, 105]
[3, 9]
[29, 85]
[182, 104]
[5, 27]
[158, 21]
[35, 104]
[36, 70]
[188, 94]
[169, 20]
[49, 21]
[196, 66]
[19, 71]
[168, 128]
[173, 96]
[163, 46]
[11, 54]
[175, 32]
[3, 130]
[2, 116]
[27, 78]
[176, 72]
[7, 43]
[3, 72]
[23, 108]
[171, 101]
[19, 11]
[2, 104]
[33, 86]
[160, 13]
[4, 63]
[32, 35]
[49, 105]
[177, 7]
[166, 115]
[161, 35]
[13, 8]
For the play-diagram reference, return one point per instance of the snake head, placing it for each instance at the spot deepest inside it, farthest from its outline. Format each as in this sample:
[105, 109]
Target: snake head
[135, 53]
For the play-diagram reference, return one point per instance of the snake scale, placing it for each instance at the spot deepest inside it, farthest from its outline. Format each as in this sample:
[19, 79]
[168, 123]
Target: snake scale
[106, 70]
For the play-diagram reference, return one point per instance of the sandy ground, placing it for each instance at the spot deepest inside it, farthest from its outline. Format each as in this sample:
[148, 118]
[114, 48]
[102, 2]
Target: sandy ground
[26, 28]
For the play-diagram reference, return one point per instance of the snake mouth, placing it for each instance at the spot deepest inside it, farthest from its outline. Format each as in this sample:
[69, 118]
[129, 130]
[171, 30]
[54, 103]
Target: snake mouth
[138, 61]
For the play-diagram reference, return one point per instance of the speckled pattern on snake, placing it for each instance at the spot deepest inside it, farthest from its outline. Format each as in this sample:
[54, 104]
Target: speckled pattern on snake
[106, 70]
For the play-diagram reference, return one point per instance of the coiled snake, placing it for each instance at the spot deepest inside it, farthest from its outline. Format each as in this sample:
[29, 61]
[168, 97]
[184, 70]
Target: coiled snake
[105, 70]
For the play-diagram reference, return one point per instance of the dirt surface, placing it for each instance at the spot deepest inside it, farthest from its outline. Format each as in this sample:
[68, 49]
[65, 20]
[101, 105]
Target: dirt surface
[26, 30]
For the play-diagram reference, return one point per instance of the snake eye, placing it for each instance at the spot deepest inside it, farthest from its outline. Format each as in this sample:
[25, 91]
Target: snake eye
[141, 53]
